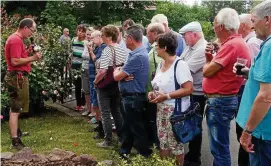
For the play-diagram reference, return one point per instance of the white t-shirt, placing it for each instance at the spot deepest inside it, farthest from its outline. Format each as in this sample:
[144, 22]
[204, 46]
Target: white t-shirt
[164, 81]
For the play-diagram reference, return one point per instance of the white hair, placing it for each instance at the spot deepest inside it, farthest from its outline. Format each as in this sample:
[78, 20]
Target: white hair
[246, 19]
[263, 9]
[160, 18]
[65, 29]
[156, 27]
[96, 33]
[200, 34]
[229, 18]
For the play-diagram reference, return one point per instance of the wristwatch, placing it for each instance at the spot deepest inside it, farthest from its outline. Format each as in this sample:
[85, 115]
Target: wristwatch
[168, 96]
[247, 131]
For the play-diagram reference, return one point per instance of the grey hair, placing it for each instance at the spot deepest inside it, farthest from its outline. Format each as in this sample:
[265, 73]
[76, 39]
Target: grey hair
[263, 9]
[96, 33]
[246, 19]
[229, 18]
[136, 32]
[65, 29]
[160, 18]
[156, 27]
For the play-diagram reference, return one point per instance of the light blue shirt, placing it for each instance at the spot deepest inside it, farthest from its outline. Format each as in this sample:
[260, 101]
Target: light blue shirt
[260, 72]
[146, 44]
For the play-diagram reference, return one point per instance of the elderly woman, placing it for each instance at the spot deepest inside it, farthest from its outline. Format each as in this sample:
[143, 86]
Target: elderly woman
[164, 94]
[109, 95]
[95, 54]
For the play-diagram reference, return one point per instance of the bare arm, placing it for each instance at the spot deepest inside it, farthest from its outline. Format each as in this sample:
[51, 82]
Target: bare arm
[24, 61]
[92, 56]
[260, 107]
[210, 69]
[119, 75]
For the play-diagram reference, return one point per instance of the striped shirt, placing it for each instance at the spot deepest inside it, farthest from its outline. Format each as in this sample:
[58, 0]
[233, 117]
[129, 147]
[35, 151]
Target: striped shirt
[106, 59]
[77, 50]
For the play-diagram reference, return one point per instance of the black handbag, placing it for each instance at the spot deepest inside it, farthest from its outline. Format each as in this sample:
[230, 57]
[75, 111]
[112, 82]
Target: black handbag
[185, 125]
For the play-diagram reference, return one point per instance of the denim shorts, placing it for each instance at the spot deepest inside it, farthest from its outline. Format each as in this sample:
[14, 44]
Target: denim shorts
[93, 93]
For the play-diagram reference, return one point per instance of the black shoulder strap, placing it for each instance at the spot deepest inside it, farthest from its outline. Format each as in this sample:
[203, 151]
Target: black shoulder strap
[178, 101]
[154, 61]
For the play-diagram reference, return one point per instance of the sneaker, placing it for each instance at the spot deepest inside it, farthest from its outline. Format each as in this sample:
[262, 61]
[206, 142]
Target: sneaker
[85, 113]
[17, 143]
[113, 127]
[91, 115]
[124, 156]
[81, 108]
[105, 144]
[77, 108]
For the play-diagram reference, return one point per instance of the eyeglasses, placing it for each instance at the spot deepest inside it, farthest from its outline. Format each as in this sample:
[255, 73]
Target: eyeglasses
[32, 30]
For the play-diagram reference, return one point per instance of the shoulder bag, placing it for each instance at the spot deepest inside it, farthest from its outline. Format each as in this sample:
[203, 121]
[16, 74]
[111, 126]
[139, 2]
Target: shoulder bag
[185, 125]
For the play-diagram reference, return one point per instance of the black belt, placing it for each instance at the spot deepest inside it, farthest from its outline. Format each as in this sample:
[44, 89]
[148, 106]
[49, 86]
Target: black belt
[132, 94]
[15, 72]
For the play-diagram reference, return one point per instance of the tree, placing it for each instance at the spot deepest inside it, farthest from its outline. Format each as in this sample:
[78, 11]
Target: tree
[179, 15]
[59, 13]
[243, 6]
[24, 7]
[101, 13]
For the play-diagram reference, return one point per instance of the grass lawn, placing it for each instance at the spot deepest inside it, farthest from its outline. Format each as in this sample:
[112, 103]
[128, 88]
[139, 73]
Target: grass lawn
[52, 129]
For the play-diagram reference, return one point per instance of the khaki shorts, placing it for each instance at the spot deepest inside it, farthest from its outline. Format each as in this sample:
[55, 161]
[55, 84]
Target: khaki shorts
[18, 91]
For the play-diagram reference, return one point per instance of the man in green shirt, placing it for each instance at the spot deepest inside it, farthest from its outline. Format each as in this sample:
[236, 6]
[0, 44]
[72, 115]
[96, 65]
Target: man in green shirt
[153, 31]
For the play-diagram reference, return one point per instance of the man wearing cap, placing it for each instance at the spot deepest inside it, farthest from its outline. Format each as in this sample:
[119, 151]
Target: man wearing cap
[194, 55]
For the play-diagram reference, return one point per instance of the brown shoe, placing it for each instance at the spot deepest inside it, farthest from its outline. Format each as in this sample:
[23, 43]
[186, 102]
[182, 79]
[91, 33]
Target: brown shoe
[17, 143]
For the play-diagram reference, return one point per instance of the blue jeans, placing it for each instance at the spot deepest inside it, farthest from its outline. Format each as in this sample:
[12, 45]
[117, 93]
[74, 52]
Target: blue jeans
[219, 113]
[262, 155]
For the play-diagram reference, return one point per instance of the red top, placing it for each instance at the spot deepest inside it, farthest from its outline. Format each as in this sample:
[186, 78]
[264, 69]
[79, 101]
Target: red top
[225, 82]
[15, 48]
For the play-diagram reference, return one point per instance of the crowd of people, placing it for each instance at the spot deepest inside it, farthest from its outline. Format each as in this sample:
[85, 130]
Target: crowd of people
[131, 79]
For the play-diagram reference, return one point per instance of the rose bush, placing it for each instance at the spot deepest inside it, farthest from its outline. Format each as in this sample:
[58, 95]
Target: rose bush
[48, 73]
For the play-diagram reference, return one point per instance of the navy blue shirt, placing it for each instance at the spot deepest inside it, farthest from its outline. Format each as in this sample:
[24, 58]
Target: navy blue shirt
[137, 64]
[98, 52]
